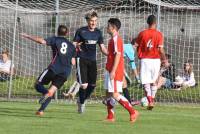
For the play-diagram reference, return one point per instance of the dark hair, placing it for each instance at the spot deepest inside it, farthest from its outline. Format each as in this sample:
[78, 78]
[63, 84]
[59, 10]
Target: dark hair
[115, 22]
[5, 52]
[62, 30]
[133, 41]
[151, 19]
[90, 15]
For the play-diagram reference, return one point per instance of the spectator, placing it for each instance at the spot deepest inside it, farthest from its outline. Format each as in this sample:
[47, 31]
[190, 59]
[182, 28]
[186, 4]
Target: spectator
[5, 66]
[167, 75]
[187, 80]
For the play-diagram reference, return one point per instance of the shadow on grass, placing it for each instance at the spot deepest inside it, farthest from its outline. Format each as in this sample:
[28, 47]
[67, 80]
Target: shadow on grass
[22, 112]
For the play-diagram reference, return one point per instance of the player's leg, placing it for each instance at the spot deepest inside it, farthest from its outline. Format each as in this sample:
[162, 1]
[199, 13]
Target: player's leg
[70, 90]
[92, 76]
[125, 90]
[75, 90]
[109, 101]
[155, 74]
[57, 82]
[45, 102]
[82, 78]
[146, 78]
[43, 79]
[116, 89]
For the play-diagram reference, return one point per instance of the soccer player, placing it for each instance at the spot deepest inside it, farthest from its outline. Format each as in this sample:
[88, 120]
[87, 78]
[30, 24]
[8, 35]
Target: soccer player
[115, 72]
[150, 51]
[129, 53]
[59, 68]
[86, 39]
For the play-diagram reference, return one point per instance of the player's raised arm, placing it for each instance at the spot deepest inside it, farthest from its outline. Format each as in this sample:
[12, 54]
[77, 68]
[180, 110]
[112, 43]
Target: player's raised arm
[39, 40]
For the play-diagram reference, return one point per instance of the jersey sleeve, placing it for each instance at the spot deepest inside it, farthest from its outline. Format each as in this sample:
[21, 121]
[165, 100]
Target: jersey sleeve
[50, 41]
[77, 36]
[100, 40]
[118, 45]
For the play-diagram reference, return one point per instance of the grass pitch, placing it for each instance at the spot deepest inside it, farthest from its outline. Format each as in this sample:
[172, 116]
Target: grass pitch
[19, 118]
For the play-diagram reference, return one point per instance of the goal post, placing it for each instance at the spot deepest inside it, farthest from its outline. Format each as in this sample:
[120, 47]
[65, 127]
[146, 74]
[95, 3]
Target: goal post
[178, 21]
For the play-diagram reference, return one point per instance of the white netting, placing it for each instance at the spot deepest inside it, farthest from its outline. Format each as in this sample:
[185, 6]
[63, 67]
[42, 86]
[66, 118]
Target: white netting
[179, 21]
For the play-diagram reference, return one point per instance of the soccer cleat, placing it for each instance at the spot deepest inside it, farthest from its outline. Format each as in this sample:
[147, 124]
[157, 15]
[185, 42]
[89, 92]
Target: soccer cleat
[81, 107]
[69, 95]
[66, 94]
[133, 117]
[109, 120]
[150, 106]
[39, 113]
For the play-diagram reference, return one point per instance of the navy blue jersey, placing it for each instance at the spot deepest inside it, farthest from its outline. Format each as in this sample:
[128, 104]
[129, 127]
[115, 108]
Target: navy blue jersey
[63, 52]
[89, 40]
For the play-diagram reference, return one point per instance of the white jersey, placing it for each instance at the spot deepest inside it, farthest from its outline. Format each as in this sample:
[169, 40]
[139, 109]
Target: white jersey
[189, 80]
[5, 66]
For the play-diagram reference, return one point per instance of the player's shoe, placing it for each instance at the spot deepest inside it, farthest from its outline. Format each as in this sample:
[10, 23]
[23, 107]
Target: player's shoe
[133, 117]
[39, 113]
[69, 95]
[109, 119]
[150, 106]
[66, 94]
[81, 107]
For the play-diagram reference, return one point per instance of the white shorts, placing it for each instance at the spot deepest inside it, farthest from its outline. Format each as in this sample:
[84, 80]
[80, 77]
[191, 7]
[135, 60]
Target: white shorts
[112, 85]
[149, 71]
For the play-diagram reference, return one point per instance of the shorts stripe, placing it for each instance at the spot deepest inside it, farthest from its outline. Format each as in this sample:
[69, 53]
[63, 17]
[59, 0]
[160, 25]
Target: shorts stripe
[78, 71]
[42, 76]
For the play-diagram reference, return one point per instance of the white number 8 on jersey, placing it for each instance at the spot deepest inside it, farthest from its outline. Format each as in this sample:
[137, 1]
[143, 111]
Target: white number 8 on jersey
[63, 48]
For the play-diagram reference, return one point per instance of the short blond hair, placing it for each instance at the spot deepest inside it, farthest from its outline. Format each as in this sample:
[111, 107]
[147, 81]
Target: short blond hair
[91, 14]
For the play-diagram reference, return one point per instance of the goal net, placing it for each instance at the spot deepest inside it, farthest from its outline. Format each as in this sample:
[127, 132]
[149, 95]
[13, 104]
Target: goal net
[177, 19]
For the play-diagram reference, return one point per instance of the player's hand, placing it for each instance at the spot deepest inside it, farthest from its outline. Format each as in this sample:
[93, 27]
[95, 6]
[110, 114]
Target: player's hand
[112, 75]
[165, 63]
[79, 44]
